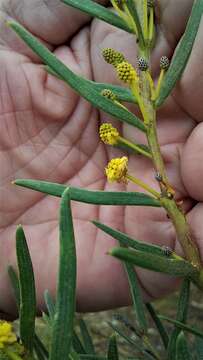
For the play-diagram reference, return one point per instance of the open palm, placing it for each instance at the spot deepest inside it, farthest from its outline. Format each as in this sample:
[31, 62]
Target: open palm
[47, 132]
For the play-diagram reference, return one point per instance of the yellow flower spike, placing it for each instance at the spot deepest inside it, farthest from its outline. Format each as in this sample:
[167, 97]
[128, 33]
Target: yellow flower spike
[7, 336]
[127, 73]
[108, 134]
[112, 56]
[116, 170]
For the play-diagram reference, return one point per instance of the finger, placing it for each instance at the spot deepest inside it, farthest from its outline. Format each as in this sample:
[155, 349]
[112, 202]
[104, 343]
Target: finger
[50, 20]
[189, 90]
[191, 164]
[196, 225]
[51, 97]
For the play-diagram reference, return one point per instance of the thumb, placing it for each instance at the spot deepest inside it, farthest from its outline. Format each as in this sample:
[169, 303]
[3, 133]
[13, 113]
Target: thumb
[50, 20]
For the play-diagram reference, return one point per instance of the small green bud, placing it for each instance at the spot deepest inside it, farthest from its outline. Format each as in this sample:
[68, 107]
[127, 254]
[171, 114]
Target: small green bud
[167, 251]
[164, 63]
[143, 64]
[158, 177]
[120, 2]
[151, 3]
[170, 195]
[112, 56]
[107, 93]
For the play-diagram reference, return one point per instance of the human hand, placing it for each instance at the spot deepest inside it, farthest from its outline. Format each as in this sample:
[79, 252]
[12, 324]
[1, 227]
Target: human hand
[49, 133]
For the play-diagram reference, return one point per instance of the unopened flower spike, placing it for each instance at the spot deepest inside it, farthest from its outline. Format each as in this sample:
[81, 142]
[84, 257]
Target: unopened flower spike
[107, 93]
[164, 65]
[112, 56]
[7, 336]
[143, 65]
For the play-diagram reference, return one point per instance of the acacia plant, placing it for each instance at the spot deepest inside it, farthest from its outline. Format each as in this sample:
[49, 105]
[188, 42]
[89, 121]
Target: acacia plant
[139, 89]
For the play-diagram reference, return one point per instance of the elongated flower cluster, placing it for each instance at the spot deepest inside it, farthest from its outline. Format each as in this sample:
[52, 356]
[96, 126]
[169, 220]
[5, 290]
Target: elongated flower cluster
[116, 169]
[126, 72]
[108, 134]
[112, 56]
[7, 336]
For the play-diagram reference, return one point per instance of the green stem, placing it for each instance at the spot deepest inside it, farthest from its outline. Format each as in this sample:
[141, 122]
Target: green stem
[143, 185]
[135, 147]
[173, 210]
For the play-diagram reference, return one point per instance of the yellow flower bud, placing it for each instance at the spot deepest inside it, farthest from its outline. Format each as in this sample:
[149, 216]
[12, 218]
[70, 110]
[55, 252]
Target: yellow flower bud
[116, 169]
[112, 56]
[119, 2]
[108, 134]
[126, 72]
[7, 336]
[107, 93]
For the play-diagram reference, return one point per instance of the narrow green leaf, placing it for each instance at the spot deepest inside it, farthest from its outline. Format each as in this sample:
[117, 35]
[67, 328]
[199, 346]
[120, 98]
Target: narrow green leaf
[27, 291]
[182, 326]
[87, 340]
[126, 240]
[15, 284]
[199, 348]
[90, 197]
[136, 297]
[40, 350]
[112, 353]
[182, 350]
[38, 346]
[154, 262]
[182, 52]
[77, 344]
[130, 150]
[122, 94]
[183, 303]
[49, 304]
[100, 12]
[66, 288]
[131, 5]
[137, 345]
[79, 84]
[160, 327]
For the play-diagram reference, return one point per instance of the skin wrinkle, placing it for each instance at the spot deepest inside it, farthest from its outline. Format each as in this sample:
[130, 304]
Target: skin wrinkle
[73, 145]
